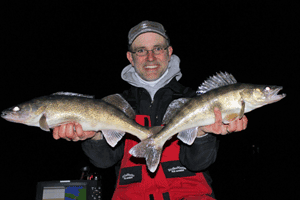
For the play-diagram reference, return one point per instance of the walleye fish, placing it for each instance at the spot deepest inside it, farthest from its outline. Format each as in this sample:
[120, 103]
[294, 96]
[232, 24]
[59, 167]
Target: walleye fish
[184, 115]
[112, 114]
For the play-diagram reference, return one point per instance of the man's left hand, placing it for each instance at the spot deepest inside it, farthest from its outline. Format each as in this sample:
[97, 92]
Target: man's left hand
[219, 128]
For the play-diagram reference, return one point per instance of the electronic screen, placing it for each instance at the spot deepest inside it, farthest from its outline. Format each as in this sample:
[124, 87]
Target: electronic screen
[67, 190]
[64, 193]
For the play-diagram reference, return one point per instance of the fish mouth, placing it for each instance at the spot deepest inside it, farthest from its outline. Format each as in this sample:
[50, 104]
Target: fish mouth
[4, 115]
[8, 117]
[273, 95]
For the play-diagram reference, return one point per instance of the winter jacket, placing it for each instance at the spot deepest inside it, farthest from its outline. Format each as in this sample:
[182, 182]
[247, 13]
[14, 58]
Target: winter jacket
[195, 158]
[182, 170]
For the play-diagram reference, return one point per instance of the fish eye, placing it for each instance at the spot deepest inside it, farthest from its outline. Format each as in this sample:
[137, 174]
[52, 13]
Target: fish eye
[16, 109]
[267, 88]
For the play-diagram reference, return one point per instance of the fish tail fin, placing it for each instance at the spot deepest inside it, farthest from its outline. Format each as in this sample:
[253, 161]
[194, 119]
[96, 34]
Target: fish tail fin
[150, 151]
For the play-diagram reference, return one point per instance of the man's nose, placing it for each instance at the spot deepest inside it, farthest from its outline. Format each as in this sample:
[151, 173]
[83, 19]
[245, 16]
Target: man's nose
[150, 56]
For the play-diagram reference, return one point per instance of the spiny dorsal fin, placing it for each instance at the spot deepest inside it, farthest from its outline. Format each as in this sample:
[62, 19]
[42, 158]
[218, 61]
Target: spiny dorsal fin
[219, 80]
[118, 101]
[73, 94]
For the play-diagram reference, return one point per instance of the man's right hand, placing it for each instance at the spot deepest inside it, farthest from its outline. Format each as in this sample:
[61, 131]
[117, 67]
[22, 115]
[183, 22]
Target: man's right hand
[72, 131]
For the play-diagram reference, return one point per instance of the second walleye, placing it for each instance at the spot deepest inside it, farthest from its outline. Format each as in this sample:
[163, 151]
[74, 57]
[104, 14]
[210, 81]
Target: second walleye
[184, 115]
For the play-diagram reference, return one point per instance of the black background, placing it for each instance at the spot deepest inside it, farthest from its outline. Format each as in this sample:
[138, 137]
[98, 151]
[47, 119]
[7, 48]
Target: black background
[51, 46]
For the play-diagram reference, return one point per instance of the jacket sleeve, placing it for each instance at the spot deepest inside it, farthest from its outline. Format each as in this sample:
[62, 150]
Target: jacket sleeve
[201, 154]
[101, 154]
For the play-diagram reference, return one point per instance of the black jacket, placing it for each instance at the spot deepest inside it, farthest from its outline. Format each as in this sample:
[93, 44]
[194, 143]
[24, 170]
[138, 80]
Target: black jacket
[197, 157]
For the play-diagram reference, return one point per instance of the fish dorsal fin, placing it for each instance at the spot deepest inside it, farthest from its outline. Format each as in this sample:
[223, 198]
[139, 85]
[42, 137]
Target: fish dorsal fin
[216, 81]
[73, 94]
[118, 101]
[173, 108]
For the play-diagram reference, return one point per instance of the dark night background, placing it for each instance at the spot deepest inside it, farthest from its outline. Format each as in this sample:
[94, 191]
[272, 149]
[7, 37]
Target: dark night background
[51, 46]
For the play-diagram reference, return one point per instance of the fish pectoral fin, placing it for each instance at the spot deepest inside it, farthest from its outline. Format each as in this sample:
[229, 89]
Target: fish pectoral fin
[234, 116]
[230, 118]
[174, 106]
[43, 123]
[119, 102]
[113, 136]
[188, 136]
[242, 109]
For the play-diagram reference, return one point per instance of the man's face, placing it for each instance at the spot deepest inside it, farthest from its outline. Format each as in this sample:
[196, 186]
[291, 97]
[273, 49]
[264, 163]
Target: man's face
[150, 67]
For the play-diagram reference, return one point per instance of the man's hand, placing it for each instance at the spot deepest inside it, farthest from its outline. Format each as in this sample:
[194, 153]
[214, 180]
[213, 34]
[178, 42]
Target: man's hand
[219, 128]
[72, 131]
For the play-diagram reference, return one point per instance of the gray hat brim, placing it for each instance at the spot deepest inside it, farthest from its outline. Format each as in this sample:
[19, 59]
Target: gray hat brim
[146, 31]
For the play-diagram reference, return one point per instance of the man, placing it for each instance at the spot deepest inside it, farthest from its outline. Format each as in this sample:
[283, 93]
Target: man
[153, 74]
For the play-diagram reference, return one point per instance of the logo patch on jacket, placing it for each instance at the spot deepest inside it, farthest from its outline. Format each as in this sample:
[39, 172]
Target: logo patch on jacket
[131, 175]
[174, 169]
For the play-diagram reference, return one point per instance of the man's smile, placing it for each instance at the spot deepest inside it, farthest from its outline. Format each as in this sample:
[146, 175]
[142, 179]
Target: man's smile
[151, 67]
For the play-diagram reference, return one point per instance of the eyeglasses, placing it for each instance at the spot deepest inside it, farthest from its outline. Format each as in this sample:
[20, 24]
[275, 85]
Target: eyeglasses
[144, 52]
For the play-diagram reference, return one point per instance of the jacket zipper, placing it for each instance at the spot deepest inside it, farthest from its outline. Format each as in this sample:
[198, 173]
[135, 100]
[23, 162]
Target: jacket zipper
[151, 104]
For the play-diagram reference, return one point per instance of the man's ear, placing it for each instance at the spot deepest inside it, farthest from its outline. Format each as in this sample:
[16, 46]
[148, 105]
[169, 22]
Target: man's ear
[170, 51]
[129, 57]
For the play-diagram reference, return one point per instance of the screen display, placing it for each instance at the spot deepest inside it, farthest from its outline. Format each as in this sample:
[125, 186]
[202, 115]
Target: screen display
[64, 192]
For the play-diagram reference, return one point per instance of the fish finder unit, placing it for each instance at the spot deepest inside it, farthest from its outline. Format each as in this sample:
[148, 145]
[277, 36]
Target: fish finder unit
[68, 189]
